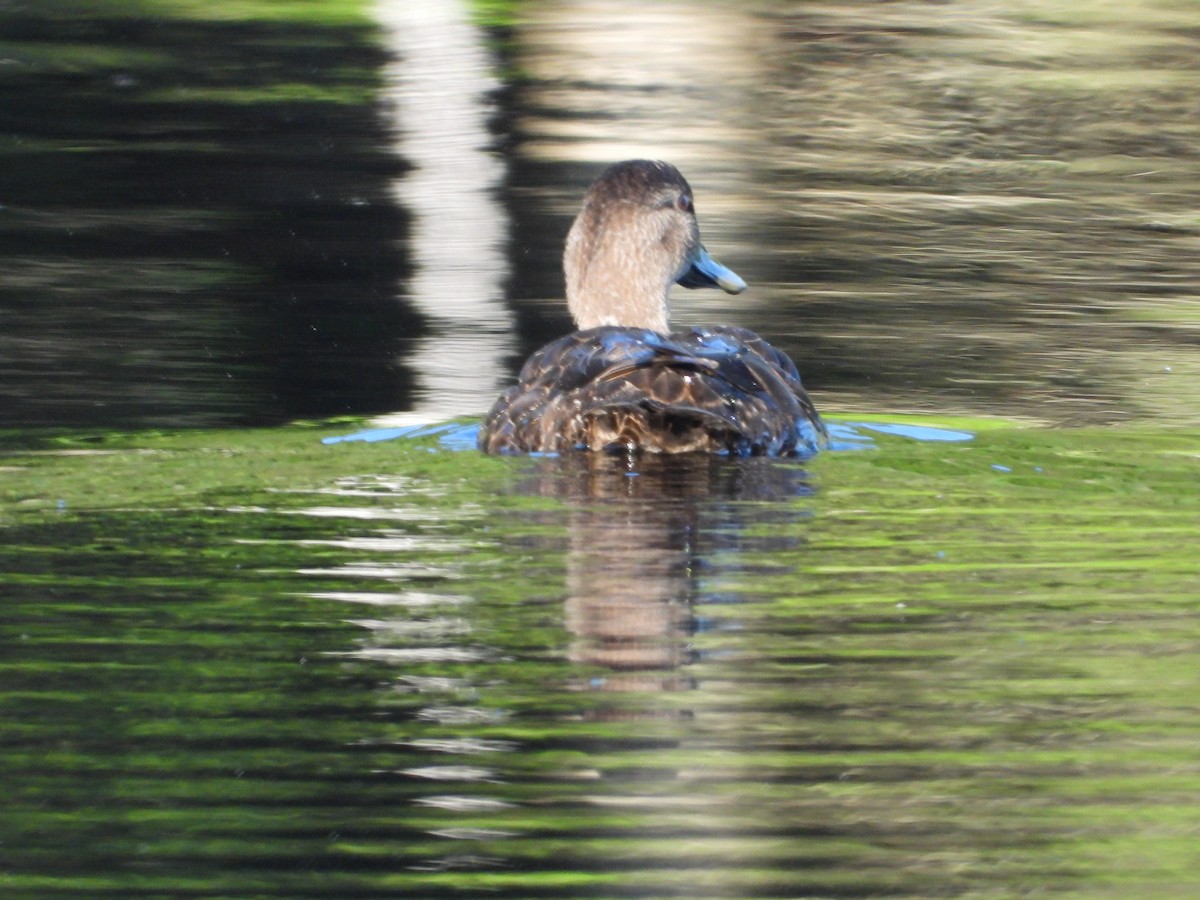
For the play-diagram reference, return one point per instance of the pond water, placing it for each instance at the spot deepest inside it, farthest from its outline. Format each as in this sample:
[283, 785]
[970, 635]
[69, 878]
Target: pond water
[956, 655]
[253, 664]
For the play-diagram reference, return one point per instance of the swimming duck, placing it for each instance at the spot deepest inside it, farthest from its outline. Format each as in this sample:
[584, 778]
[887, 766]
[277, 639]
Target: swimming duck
[622, 382]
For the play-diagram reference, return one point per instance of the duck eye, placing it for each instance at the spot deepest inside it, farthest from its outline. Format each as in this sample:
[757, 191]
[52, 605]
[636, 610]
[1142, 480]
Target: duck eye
[685, 203]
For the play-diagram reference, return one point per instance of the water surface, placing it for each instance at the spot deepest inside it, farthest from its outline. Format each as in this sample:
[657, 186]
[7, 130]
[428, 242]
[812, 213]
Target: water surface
[242, 663]
[280, 668]
[975, 209]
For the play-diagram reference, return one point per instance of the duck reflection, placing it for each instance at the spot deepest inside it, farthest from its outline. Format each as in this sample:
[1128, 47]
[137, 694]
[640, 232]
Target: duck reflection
[641, 532]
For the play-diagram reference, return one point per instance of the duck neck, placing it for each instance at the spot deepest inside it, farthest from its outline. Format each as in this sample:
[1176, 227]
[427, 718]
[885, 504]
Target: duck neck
[616, 285]
[627, 305]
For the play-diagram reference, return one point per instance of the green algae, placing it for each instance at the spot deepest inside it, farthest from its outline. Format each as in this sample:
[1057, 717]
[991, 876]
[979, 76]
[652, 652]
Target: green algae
[977, 680]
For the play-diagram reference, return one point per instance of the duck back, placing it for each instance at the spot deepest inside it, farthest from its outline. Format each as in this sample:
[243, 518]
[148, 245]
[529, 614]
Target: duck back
[709, 390]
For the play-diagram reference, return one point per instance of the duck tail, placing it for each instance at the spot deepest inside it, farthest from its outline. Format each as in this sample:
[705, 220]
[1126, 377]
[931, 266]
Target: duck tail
[655, 428]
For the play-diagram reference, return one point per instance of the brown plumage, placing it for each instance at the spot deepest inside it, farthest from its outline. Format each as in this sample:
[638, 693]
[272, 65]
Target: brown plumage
[622, 382]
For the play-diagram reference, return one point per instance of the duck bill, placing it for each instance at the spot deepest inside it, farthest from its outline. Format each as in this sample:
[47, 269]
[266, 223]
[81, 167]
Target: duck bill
[707, 272]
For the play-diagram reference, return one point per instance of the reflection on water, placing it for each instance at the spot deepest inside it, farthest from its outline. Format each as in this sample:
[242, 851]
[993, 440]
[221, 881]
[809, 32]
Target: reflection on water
[952, 668]
[612, 81]
[990, 210]
[195, 219]
[969, 212]
[439, 84]
[640, 534]
[257, 665]
[630, 559]
[531, 707]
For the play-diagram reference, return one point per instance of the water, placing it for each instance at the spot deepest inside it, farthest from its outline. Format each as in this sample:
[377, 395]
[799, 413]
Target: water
[252, 664]
[984, 210]
[955, 656]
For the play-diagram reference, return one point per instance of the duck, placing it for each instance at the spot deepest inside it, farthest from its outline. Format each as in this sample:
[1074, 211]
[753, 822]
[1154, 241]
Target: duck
[623, 381]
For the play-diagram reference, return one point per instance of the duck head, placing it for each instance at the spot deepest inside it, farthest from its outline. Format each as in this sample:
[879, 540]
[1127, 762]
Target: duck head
[635, 236]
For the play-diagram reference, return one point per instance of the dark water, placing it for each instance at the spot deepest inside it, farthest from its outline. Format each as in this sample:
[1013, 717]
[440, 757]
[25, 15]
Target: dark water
[182, 246]
[249, 664]
[968, 210]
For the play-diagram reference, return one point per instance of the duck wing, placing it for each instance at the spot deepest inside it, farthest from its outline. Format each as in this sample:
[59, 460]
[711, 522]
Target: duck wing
[753, 365]
[716, 390]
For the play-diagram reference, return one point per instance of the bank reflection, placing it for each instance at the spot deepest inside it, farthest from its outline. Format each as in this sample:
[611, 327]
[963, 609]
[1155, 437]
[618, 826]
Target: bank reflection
[642, 534]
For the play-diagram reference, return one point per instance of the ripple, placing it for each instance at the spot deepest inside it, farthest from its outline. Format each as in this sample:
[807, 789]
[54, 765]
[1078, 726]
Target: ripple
[408, 599]
[414, 654]
[456, 803]
[461, 745]
[451, 773]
